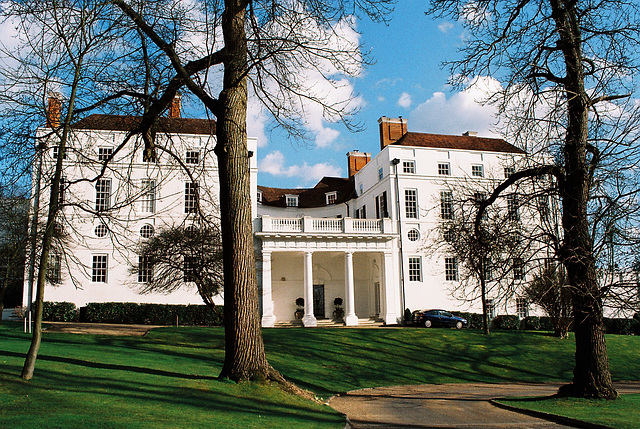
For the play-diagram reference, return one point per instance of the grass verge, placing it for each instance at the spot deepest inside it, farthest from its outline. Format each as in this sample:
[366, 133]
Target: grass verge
[623, 413]
[168, 378]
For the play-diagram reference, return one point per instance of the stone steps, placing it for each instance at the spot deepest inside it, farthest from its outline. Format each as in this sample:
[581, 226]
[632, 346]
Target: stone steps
[328, 323]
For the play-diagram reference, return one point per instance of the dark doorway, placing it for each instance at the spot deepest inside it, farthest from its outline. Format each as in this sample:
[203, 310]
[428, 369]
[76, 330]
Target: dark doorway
[318, 301]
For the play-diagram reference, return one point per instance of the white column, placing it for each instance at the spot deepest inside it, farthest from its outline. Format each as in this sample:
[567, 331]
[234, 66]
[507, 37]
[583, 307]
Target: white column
[350, 318]
[268, 319]
[391, 289]
[309, 319]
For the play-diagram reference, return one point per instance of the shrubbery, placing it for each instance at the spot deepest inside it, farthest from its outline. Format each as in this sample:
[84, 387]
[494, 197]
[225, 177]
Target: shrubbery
[474, 320]
[59, 312]
[530, 323]
[505, 322]
[150, 314]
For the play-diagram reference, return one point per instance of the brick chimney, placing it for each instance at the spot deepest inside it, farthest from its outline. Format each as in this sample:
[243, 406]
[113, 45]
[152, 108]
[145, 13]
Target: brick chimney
[53, 111]
[391, 129]
[357, 160]
[174, 108]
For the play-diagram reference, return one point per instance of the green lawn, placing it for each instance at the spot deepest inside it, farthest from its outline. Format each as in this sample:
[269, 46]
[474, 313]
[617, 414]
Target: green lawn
[623, 413]
[168, 378]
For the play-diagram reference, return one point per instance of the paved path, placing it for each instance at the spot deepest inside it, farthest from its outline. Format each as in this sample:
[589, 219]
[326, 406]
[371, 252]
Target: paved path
[445, 406]
[98, 328]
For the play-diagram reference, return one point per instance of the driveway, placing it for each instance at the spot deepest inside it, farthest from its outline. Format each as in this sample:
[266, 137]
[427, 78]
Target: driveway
[445, 406]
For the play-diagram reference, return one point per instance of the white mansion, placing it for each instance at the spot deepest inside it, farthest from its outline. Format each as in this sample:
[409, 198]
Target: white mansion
[363, 238]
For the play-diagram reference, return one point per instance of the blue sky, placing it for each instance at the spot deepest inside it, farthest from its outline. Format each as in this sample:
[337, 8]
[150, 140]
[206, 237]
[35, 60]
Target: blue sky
[406, 80]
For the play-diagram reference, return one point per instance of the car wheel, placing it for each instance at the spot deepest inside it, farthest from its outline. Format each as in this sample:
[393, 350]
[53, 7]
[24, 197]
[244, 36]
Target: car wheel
[427, 323]
[458, 325]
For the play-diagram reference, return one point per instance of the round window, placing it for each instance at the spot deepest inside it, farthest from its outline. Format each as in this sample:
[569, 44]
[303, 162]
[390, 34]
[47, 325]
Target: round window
[413, 235]
[146, 231]
[101, 230]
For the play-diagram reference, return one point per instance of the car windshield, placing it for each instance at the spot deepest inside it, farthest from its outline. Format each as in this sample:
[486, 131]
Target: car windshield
[446, 314]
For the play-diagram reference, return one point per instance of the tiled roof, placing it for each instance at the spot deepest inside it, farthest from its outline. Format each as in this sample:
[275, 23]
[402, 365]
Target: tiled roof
[457, 142]
[127, 123]
[310, 197]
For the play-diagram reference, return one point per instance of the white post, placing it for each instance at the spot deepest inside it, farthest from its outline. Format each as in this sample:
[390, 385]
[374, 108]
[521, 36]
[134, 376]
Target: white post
[268, 319]
[309, 320]
[350, 319]
[391, 290]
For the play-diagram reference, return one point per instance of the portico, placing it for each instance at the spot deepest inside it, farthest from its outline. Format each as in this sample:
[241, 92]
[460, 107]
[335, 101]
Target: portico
[326, 258]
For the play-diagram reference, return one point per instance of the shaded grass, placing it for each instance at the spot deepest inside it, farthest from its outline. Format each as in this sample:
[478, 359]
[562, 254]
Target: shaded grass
[111, 382]
[623, 413]
[168, 378]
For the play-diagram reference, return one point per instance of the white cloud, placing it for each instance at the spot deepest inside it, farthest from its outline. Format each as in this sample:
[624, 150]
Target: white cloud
[461, 112]
[445, 27]
[405, 100]
[274, 164]
[256, 121]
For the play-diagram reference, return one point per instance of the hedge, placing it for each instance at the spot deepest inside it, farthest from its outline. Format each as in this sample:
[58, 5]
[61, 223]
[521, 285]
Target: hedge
[150, 314]
[505, 322]
[59, 312]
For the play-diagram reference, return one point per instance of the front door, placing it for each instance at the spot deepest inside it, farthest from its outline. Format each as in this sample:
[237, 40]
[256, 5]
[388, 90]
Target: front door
[318, 301]
[376, 288]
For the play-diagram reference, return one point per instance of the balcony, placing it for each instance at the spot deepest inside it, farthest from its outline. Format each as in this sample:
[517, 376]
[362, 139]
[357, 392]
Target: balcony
[309, 225]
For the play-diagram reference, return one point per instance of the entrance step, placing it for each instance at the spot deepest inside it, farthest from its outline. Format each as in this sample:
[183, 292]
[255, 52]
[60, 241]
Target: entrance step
[329, 323]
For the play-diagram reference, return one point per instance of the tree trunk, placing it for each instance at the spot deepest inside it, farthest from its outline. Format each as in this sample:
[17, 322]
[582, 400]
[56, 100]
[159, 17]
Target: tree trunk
[485, 313]
[245, 357]
[591, 376]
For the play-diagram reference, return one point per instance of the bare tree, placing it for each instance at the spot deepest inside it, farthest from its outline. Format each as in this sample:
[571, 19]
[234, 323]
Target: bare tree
[264, 45]
[182, 254]
[564, 63]
[549, 290]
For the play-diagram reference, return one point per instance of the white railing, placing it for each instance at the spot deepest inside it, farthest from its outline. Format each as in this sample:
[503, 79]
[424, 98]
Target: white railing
[286, 224]
[308, 224]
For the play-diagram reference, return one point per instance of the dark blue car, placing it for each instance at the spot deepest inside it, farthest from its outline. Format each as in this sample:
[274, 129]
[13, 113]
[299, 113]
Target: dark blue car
[434, 318]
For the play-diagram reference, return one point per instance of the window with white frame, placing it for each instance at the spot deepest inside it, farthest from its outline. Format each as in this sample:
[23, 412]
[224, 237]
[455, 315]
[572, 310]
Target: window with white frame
[449, 235]
[512, 207]
[361, 213]
[145, 269]
[192, 157]
[508, 171]
[361, 189]
[104, 153]
[189, 269]
[413, 235]
[487, 269]
[331, 197]
[381, 206]
[259, 196]
[451, 269]
[415, 269]
[446, 205]
[63, 184]
[543, 206]
[522, 307]
[148, 198]
[409, 167]
[190, 197]
[291, 200]
[54, 268]
[146, 231]
[99, 269]
[56, 152]
[477, 170]
[444, 169]
[518, 269]
[380, 173]
[411, 203]
[101, 230]
[103, 194]
[491, 308]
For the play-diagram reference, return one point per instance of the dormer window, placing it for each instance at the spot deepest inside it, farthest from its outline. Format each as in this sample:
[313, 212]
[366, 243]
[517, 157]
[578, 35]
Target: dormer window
[291, 200]
[331, 197]
[259, 196]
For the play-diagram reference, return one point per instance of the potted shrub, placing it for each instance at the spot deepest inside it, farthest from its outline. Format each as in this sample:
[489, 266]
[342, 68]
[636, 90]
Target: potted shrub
[338, 313]
[300, 310]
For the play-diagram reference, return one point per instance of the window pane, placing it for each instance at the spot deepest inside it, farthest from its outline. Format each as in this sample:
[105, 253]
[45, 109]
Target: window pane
[99, 269]
[148, 199]
[103, 194]
[190, 197]
[451, 269]
[446, 205]
[415, 269]
[444, 169]
[411, 203]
